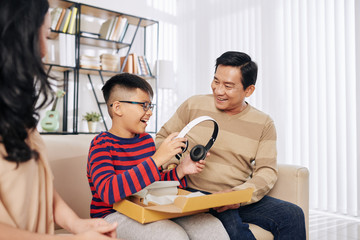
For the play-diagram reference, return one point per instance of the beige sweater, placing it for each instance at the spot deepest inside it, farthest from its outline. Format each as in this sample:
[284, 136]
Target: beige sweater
[244, 154]
[26, 192]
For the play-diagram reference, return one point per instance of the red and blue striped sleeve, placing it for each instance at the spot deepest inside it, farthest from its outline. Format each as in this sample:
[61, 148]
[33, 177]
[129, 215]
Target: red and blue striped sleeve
[172, 176]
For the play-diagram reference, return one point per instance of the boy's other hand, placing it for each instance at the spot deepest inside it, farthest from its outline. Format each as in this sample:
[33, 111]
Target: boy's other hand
[188, 166]
[168, 149]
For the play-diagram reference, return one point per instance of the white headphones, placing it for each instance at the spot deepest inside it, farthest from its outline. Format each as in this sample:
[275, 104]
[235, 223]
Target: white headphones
[198, 152]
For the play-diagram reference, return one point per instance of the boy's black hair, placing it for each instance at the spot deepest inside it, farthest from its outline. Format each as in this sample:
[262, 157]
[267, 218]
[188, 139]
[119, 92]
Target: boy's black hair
[127, 81]
[248, 68]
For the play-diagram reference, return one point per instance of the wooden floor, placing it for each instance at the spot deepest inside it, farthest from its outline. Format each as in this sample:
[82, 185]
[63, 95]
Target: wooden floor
[325, 226]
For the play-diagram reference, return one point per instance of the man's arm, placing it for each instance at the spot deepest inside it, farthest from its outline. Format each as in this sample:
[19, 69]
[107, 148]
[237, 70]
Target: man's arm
[265, 169]
[265, 165]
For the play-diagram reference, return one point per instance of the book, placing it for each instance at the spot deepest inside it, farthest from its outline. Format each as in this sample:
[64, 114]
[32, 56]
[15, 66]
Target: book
[67, 20]
[147, 66]
[142, 64]
[121, 28]
[122, 35]
[112, 23]
[109, 62]
[89, 34]
[67, 12]
[55, 16]
[61, 18]
[70, 50]
[129, 64]
[89, 62]
[71, 28]
[115, 29]
[62, 49]
[135, 63]
[106, 28]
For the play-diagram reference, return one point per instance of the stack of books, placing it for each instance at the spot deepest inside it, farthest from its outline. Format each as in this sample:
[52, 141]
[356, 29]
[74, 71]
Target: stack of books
[110, 62]
[63, 20]
[89, 62]
[136, 64]
[114, 29]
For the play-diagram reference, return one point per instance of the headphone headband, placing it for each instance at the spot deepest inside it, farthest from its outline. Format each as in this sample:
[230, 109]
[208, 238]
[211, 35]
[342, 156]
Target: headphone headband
[192, 124]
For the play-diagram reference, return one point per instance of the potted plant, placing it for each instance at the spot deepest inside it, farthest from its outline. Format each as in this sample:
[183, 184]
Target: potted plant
[92, 118]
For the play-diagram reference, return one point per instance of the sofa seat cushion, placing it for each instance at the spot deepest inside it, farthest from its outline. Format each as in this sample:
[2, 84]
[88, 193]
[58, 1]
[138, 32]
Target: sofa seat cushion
[260, 233]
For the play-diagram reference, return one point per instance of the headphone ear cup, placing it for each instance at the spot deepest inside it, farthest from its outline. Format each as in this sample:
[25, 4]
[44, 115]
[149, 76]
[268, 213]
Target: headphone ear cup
[198, 153]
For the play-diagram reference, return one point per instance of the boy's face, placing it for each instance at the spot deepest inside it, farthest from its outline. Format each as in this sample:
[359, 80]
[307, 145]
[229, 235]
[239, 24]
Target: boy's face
[134, 117]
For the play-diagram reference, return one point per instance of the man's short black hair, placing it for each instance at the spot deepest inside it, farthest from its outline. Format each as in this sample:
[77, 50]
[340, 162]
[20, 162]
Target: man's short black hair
[248, 68]
[127, 81]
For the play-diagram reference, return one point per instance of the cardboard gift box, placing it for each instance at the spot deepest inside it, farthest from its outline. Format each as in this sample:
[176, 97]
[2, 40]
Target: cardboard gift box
[182, 206]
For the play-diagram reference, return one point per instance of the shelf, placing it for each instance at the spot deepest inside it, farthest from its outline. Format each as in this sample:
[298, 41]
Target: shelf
[106, 14]
[67, 133]
[58, 68]
[91, 43]
[106, 73]
[61, 4]
[55, 34]
[98, 42]
[57, 133]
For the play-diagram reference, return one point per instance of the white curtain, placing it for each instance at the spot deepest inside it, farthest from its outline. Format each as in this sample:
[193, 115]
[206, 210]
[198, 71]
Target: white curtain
[308, 56]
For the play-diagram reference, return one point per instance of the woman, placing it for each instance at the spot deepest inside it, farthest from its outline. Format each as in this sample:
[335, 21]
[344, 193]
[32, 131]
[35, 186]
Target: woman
[29, 206]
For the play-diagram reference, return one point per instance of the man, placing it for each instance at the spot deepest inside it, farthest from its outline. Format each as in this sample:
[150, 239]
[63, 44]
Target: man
[244, 154]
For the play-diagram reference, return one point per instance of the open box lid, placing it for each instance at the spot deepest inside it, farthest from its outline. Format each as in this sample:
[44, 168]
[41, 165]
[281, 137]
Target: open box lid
[183, 204]
[134, 208]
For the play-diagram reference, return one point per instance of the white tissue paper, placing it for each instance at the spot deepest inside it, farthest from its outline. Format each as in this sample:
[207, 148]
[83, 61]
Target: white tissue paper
[162, 193]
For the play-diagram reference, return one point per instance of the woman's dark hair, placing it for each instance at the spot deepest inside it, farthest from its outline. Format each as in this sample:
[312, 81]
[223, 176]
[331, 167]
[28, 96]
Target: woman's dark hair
[248, 68]
[22, 75]
[127, 81]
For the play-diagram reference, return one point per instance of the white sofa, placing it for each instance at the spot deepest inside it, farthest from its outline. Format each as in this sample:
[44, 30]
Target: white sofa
[68, 158]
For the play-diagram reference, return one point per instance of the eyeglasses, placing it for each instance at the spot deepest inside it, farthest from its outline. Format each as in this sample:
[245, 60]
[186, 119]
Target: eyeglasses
[146, 105]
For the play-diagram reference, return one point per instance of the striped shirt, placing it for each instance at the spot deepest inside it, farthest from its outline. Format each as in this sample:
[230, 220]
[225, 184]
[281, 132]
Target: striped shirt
[244, 154]
[119, 167]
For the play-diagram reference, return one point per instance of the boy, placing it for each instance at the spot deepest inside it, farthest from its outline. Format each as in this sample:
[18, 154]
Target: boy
[123, 160]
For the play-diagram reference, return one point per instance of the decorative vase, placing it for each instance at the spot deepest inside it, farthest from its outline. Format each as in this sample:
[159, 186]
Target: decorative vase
[92, 126]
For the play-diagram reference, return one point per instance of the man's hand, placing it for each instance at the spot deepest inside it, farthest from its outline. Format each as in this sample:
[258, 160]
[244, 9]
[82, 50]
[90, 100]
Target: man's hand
[224, 208]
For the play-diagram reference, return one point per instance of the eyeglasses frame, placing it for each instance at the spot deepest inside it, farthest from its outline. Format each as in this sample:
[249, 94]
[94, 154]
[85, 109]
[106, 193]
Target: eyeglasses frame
[145, 107]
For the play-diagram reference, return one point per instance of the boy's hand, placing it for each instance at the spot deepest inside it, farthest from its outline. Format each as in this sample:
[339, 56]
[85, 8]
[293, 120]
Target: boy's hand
[188, 166]
[168, 149]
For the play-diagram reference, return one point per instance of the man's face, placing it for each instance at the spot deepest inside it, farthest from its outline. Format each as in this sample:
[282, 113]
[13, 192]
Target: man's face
[228, 91]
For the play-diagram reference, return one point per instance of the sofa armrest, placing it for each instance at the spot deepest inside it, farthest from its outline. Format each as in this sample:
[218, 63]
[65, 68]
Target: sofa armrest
[293, 186]
[67, 155]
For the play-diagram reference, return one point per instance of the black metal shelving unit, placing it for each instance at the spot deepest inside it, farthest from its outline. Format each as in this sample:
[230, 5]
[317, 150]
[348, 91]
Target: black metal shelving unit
[83, 41]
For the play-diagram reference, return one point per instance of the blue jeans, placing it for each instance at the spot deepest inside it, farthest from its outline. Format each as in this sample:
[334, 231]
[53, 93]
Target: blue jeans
[283, 219]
